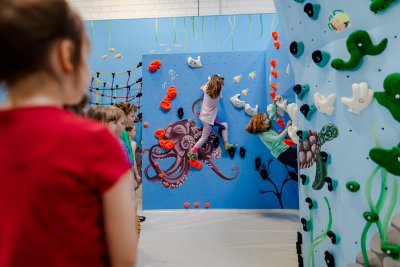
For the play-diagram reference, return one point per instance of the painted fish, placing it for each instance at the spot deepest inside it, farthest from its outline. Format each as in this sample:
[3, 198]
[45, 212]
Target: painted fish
[339, 20]
[252, 74]
[237, 78]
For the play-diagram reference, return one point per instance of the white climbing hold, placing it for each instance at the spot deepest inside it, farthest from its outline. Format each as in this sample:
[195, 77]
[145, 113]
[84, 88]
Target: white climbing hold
[236, 102]
[282, 105]
[292, 132]
[293, 111]
[194, 63]
[325, 104]
[362, 98]
[251, 111]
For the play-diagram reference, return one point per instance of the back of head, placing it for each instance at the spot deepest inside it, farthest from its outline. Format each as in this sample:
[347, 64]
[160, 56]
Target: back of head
[97, 113]
[29, 29]
[257, 124]
[105, 114]
[126, 107]
[215, 86]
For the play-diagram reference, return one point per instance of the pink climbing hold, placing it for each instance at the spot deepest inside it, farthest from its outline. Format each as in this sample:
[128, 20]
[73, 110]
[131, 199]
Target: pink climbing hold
[196, 204]
[207, 205]
[186, 205]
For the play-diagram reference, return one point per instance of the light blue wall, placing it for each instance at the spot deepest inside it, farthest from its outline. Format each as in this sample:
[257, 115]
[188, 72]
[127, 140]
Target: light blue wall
[350, 151]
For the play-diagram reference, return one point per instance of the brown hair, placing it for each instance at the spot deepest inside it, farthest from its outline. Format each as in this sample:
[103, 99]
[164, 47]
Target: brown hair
[215, 86]
[106, 114]
[29, 28]
[126, 107]
[258, 124]
[129, 128]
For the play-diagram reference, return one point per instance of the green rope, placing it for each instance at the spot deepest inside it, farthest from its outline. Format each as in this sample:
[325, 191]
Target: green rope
[186, 33]
[156, 25]
[216, 30]
[194, 28]
[262, 26]
[364, 243]
[91, 31]
[375, 136]
[202, 34]
[392, 205]
[109, 34]
[250, 29]
[174, 30]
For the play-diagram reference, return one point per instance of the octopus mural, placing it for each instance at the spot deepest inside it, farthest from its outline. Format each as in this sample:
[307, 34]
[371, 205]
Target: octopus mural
[184, 134]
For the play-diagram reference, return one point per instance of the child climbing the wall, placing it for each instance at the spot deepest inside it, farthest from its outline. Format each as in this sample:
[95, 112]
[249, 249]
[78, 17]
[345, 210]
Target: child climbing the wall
[208, 114]
[261, 125]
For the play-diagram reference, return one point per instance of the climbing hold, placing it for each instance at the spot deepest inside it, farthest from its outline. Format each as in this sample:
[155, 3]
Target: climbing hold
[312, 204]
[264, 174]
[216, 142]
[166, 144]
[390, 98]
[231, 152]
[156, 164]
[380, 5]
[171, 92]
[272, 94]
[392, 250]
[332, 184]
[339, 20]
[165, 104]
[352, 186]
[180, 113]
[301, 90]
[154, 65]
[325, 157]
[186, 205]
[146, 124]
[166, 184]
[335, 239]
[275, 35]
[195, 163]
[329, 259]
[237, 78]
[296, 48]
[274, 73]
[277, 44]
[252, 74]
[304, 179]
[104, 57]
[370, 216]
[292, 132]
[280, 122]
[289, 142]
[293, 111]
[321, 58]
[308, 111]
[325, 104]
[358, 44]
[387, 158]
[273, 86]
[194, 63]
[236, 102]
[362, 98]
[251, 111]
[207, 205]
[302, 135]
[272, 62]
[307, 225]
[196, 204]
[118, 56]
[299, 1]
[242, 152]
[257, 163]
[160, 134]
[312, 10]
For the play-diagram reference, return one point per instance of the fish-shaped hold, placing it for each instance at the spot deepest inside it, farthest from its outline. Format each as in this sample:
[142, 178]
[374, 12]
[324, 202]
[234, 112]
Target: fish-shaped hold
[251, 111]
[237, 78]
[252, 74]
[236, 102]
[245, 91]
[194, 63]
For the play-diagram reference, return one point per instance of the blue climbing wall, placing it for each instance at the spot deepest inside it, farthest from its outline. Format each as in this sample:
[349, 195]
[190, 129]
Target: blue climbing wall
[341, 211]
[204, 185]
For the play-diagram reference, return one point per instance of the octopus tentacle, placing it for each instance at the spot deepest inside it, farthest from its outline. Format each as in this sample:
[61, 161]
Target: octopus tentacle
[214, 167]
[196, 113]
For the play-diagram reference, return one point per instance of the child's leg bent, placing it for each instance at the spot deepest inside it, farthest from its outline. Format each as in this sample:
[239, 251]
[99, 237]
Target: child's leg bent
[207, 128]
[289, 157]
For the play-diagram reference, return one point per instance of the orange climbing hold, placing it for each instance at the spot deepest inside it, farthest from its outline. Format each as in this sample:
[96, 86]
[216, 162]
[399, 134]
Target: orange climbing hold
[156, 164]
[274, 73]
[275, 35]
[160, 133]
[166, 184]
[289, 142]
[186, 205]
[272, 62]
[277, 44]
[155, 65]
[165, 104]
[195, 163]
[196, 204]
[171, 92]
[280, 122]
[146, 124]
[161, 175]
[167, 144]
[273, 86]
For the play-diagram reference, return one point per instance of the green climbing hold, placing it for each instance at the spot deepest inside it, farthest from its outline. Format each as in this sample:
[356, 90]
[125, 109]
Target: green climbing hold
[392, 250]
[390, 98]
[358, 44]
[299, 1]
[387, 158]
[353, 186]
[380, 5]
[370, 216]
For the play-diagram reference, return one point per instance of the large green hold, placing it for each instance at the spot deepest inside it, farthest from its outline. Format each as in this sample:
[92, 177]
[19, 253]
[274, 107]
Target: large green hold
[387, 158]
[390, 98]
[359, 44]
[380, 5]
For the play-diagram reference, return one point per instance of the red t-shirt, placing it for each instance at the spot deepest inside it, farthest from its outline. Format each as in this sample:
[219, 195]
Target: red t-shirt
[54, 168]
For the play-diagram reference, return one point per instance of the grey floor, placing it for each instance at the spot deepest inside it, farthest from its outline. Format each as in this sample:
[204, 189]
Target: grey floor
[218, 238]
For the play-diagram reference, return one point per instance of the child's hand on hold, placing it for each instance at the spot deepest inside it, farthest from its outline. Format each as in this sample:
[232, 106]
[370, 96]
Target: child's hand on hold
[277, 98]
[288, 124]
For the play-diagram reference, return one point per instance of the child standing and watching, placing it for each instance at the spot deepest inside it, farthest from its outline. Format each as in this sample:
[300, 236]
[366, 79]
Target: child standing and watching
[66, 198]
[260, 124]
[208, 114]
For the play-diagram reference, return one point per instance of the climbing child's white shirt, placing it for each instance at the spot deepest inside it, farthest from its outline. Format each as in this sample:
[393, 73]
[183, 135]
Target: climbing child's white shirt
[209, 108]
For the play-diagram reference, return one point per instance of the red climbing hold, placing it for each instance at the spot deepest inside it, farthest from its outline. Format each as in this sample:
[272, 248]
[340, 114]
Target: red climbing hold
[274, 73]
[275, 35]
[280, 131]
[186, 205]
[272, 62]
[195, 163]
[165, 104]
[277, 44]
[154, 65]
[161, 175]
[160, 133]
[146, 124]
[166, 184]
[207, 205]
[289, 142]
[167, 144]
[171, 92]
[280, 122]
[273, 86]
[196, 204]
[272, 94]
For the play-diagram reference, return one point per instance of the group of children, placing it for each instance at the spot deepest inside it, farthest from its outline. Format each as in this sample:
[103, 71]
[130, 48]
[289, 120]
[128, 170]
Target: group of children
[259, 124]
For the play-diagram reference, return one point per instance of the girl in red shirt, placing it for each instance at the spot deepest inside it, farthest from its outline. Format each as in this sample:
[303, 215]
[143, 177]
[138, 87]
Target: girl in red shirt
[65, 197]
